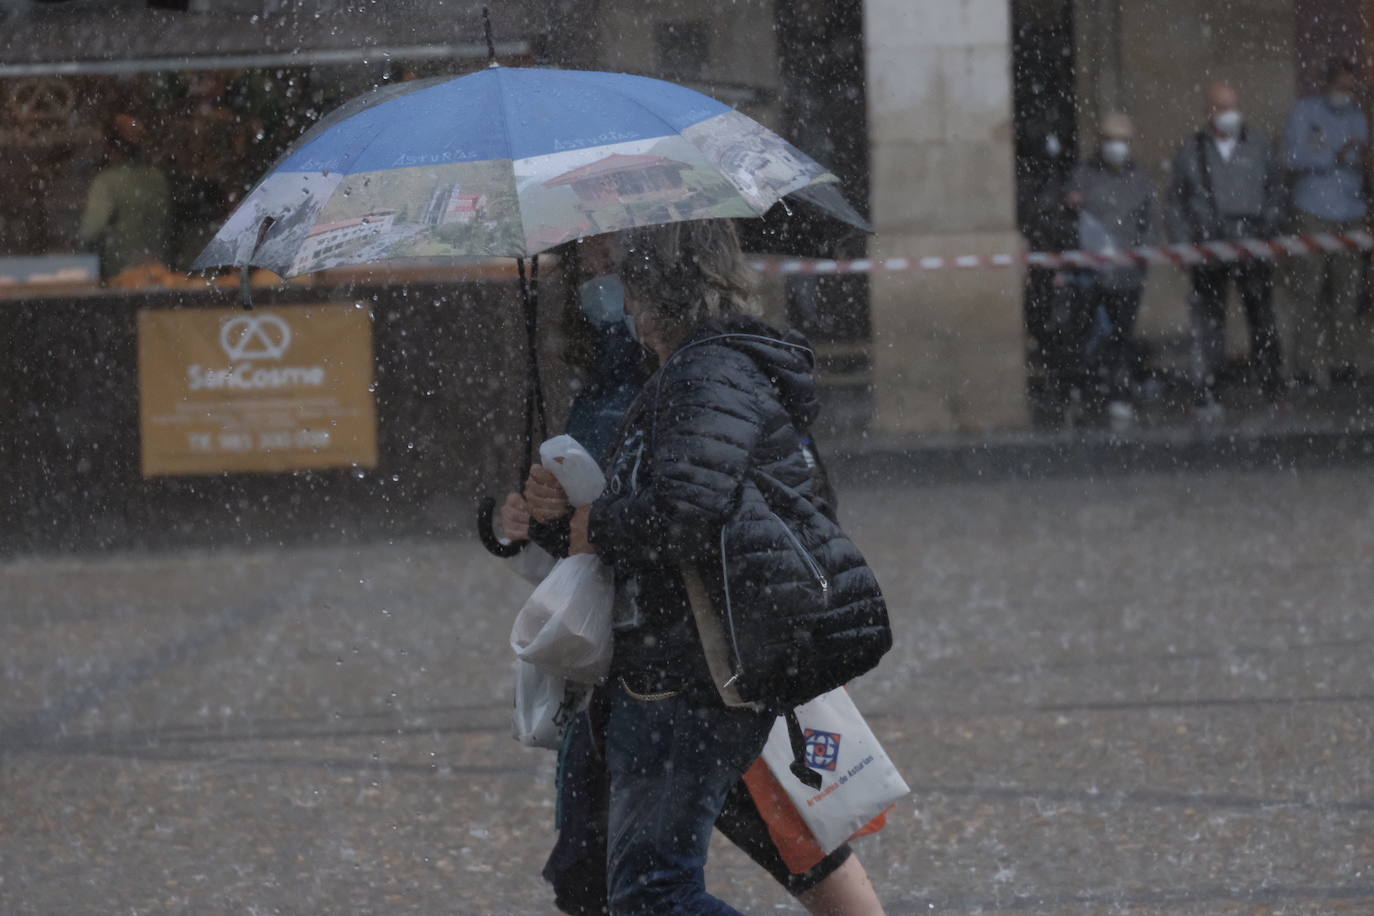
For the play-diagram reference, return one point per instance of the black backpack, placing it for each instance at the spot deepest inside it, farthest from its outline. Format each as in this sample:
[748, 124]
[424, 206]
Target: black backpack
[802, 609]
[793, 609]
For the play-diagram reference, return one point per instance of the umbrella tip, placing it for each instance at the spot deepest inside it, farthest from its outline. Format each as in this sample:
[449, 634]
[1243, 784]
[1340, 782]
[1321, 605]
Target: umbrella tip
[491, 45]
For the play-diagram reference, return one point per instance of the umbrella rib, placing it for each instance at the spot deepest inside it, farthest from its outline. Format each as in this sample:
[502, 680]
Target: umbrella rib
[504, 108]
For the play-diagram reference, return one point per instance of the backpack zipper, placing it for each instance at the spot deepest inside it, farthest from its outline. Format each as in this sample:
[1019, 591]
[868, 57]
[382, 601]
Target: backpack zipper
[729, 612]
[811, 564]
[806, 556]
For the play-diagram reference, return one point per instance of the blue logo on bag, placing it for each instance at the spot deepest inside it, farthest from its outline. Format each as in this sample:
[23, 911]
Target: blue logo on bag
[822, 749]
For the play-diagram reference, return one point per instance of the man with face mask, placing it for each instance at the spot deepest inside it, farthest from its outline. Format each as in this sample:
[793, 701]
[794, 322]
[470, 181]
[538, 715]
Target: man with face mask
[1115, 202]
[1324, 147]
[1226, 186]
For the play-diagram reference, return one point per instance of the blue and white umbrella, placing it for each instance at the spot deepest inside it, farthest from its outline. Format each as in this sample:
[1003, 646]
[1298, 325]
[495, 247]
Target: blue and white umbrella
[510, 162]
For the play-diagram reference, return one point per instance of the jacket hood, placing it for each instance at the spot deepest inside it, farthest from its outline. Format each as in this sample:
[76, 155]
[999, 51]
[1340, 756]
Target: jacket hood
[785, 357]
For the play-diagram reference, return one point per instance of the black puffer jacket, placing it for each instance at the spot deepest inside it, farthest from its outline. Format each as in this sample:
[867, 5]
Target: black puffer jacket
[728, 404]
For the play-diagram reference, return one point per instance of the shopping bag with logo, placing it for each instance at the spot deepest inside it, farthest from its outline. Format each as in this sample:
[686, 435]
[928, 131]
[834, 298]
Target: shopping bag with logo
[545, 704]
[858, 782]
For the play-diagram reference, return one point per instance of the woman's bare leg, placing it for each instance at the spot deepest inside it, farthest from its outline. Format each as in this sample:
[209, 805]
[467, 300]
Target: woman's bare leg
[845, 892]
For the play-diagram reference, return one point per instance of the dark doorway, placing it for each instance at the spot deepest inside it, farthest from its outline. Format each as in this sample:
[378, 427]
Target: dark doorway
[1044, 112]
[1044, 94]
[824, 113]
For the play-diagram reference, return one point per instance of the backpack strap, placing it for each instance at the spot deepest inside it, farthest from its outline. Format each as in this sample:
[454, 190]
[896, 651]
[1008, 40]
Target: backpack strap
[808, 776]
[722, 655]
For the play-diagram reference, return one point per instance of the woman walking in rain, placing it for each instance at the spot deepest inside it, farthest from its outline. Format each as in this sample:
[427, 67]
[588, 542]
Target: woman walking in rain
[742, 397]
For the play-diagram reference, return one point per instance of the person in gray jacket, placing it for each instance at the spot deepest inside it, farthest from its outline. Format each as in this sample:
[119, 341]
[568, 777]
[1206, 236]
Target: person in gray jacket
[1227, 185]
[1324, 146]
[1116, 205]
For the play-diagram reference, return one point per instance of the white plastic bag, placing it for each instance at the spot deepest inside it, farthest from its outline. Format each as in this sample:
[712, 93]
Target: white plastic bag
[545, 705]
[575, 469]
[858, 781]
[565, 626]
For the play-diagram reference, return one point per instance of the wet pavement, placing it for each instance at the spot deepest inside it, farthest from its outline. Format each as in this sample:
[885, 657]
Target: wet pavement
[1137, 693]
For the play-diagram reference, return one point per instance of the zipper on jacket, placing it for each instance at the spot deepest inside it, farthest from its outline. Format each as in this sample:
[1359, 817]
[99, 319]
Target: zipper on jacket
[806, 556]
[729, 612]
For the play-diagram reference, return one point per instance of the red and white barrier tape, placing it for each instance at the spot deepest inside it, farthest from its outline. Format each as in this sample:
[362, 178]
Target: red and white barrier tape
[1182, 255]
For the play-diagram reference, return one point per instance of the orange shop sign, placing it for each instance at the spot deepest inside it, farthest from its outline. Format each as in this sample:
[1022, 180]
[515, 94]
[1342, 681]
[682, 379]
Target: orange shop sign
[274, 389]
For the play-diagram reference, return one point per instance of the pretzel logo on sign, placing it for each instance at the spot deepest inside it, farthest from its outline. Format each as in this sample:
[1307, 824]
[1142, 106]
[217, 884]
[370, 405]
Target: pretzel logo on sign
[255, 337]
[42, 99]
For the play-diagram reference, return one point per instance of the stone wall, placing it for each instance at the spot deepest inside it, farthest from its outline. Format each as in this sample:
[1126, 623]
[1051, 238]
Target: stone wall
[949, 346]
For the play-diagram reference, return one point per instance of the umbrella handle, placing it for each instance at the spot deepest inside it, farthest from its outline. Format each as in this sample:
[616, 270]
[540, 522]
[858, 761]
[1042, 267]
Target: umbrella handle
[245, 289]
[485, 510]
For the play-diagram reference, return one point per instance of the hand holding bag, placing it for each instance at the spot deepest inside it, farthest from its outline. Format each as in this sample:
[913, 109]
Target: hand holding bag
[565, 626]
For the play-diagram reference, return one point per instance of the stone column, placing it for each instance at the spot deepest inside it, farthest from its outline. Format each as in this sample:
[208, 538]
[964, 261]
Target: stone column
[948, 346]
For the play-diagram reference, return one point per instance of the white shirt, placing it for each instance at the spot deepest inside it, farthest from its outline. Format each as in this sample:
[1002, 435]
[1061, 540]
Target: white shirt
[1226, 146]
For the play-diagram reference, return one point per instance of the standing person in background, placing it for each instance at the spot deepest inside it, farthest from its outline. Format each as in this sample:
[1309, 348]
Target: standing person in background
[1227, 186]
[129, 205]
[1116, 207]
[1324, 146]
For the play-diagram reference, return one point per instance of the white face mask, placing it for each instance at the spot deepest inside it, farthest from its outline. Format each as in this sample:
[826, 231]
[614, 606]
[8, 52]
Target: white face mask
[1228, 122]
[1339, 98]
[1116, 152]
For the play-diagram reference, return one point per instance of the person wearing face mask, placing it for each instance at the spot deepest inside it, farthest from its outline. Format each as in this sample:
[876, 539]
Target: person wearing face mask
[1324, 146]
[609, 363]
[1226, 186]
[611, 356]
[1116, 205]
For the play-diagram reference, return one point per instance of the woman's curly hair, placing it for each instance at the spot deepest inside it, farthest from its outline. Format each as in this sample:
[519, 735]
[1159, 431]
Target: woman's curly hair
[684, 274]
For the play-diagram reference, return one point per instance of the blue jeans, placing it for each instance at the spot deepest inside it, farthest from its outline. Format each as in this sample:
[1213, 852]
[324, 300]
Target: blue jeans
[671, 763]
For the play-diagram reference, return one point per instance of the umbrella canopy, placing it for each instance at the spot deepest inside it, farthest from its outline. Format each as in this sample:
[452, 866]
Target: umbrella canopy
[509, 162]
